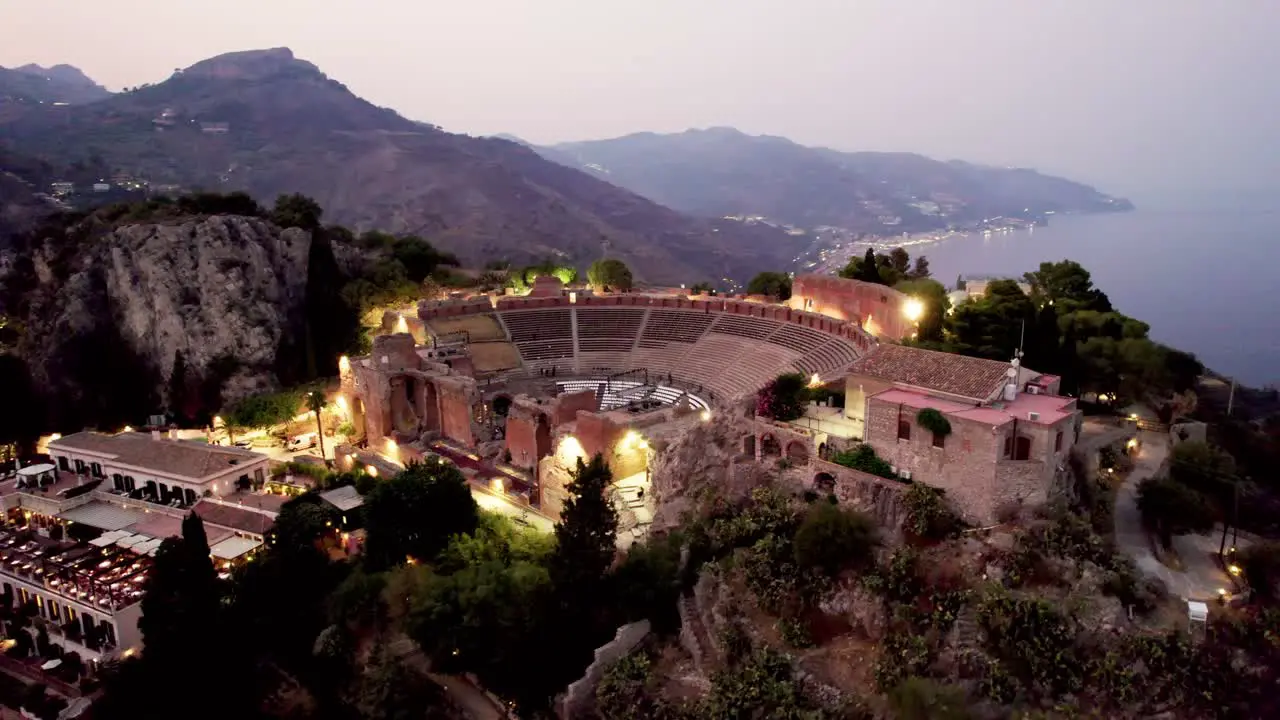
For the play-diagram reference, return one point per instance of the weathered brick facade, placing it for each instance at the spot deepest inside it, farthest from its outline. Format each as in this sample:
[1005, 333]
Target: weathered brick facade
[972, 466]
[876, 308]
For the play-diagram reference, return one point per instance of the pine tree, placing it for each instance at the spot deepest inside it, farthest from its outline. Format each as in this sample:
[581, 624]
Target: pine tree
[586, 536]
[869, 271]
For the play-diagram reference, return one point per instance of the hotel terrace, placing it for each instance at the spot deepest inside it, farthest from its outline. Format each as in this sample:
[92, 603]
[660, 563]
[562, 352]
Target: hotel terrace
[81, 532]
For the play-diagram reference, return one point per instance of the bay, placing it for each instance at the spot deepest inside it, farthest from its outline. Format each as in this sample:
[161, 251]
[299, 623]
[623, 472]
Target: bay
[1205, 280]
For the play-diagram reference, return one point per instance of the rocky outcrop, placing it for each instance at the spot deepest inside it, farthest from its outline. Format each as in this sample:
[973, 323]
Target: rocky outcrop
[703, 460]
[224, 291]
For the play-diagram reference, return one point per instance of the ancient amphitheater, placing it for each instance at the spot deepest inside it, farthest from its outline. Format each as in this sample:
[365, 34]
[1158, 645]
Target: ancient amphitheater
[515, 390]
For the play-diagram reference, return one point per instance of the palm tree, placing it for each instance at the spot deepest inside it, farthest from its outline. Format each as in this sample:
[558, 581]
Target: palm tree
[315, 402]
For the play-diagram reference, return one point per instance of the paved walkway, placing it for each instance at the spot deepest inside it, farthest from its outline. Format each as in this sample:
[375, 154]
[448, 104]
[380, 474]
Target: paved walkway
[1202, 577]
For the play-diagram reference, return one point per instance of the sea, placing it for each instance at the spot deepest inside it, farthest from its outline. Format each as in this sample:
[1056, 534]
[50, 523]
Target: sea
[1206, 280]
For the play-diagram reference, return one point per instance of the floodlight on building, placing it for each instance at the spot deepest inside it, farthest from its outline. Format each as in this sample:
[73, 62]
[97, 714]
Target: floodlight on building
[913, 309]
[497, 486]
[217, 420]
[570, 450]
[56, 436]
[373, 471]
[815, 380]
[127, 428]
[1132, 444]
[341, 402]
[706, 416]
[1234, 569]
[573, 297]
[1133, 417]
[402, 325]
[344, 364]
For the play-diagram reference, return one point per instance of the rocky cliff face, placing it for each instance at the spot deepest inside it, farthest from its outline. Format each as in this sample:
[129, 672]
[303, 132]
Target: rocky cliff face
[224, 291]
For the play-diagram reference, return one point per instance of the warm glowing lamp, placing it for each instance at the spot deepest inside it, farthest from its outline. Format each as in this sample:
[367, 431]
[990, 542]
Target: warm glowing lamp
[706, 416]
[344, 364]
[913, 309]
[402, 326]
[373, 471]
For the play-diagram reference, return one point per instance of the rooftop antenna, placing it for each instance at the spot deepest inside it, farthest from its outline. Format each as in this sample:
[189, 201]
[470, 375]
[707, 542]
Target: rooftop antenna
[1022, 336]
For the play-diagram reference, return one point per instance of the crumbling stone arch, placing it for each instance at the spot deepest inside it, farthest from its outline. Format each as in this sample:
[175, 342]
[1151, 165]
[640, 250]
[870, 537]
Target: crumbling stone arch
[824, 482]
[797, 452]
[769, 446]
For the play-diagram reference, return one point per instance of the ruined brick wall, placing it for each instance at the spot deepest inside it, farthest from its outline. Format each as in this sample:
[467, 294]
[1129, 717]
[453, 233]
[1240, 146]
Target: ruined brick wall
[876, 308]
[965, 467]
[521, 440]
[877, 497]
[567, 405]
[458, 397]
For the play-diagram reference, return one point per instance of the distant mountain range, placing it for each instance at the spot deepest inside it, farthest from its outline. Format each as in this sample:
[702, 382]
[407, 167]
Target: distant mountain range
[269, 123]
[724, 172]
[57, 84]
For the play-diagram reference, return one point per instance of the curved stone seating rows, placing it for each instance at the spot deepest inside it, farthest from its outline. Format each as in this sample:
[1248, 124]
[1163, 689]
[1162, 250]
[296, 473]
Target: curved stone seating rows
[730, 355]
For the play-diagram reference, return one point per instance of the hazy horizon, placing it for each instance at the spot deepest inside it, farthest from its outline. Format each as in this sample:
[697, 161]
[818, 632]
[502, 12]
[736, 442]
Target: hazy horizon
[1140, 99]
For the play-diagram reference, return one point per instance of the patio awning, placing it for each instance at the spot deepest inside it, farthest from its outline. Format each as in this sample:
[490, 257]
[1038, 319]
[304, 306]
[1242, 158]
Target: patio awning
[129, 541]
[147, 546]
[234, 547]
[108, 538]
[104, 516]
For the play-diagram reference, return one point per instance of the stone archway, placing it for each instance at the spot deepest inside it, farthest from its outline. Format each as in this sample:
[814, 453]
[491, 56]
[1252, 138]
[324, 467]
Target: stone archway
[501, 404]
[769, 446]
[797, 452]
[824, 482]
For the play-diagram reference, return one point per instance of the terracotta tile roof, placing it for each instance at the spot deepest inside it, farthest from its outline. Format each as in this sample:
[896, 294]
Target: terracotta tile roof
[182, 458]
[959, 375]
[241, 519]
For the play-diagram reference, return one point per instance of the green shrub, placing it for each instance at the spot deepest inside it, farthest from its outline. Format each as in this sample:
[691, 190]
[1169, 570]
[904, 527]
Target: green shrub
[1034, 642]
[933, 421]
[625, 692]
[831, 538]
[902, 654]
[795, 632]
[864, 458]
[927, 513]
[917, 698]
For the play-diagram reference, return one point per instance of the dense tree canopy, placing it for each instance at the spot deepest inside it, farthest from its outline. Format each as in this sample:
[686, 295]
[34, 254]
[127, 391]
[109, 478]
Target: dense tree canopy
[412, 515]
[775, 285]
[889, 268]
[610, 274]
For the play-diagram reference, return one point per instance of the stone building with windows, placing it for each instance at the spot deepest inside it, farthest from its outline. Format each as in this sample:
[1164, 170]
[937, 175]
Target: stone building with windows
[1010, 432]
[157, 468]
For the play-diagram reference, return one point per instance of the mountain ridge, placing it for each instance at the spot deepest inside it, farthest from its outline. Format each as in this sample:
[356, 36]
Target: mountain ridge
[269, 123]
[59, 83]
[724, 171]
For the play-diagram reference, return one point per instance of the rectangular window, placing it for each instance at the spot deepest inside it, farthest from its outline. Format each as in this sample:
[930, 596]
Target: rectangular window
[1057, 442]
[939, 440]
[1022, 448]
[79, 467]
[904, 429]
[64, 463]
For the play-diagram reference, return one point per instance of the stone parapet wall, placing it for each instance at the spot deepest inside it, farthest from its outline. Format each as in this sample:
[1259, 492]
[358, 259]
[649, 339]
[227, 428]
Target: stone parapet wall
[579, 699]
